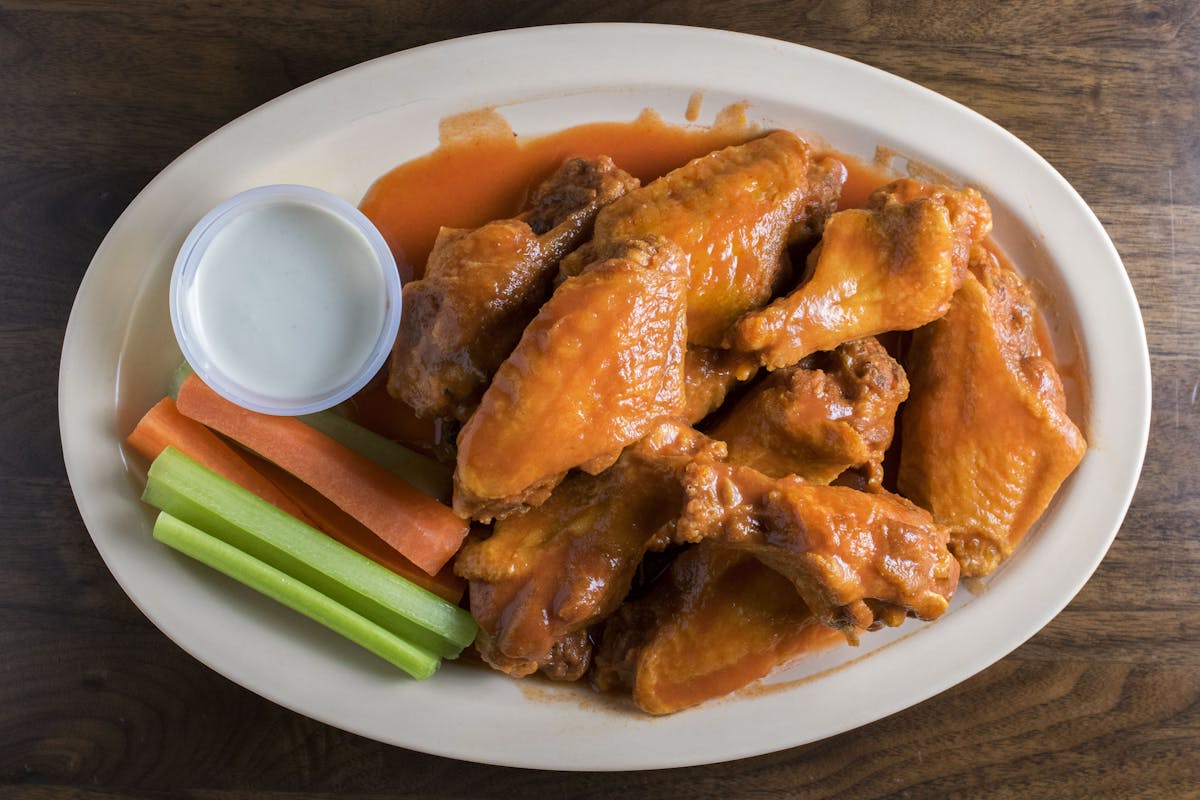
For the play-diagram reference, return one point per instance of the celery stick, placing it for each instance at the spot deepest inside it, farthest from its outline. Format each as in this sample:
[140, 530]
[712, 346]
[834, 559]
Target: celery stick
[192, 541]
[200, 497]
[177, 378]
[424, 473]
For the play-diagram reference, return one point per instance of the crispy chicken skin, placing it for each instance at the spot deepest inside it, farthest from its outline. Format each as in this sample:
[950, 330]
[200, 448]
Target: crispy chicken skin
[546, 574]
[857, 559]
[709, 375]
[826, 177]
[892, 266]
[482, 287]
[970, 215]
[819, 421]
[601, 361]
[732, 213]
[987, 440]
[716, 621]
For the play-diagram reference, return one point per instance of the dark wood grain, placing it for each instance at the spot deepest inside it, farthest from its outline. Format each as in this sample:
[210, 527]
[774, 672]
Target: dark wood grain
[97, 97]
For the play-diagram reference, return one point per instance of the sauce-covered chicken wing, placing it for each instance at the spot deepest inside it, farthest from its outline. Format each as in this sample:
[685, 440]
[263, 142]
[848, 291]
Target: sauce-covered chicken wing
[555, 569]
[987, 440]
[731, 212]
[716, 621]
[857, 559]
[819, 420]
[482, 287]
[891, 266]
[544, 575]
[601, 361]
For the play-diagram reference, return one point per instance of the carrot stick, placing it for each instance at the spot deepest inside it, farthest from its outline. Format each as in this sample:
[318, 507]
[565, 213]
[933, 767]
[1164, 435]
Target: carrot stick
[418, 527]
[352, 533]
[163, 425]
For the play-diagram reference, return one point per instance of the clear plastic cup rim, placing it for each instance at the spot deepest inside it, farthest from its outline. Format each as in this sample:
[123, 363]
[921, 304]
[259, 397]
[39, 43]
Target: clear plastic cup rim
[184, 325]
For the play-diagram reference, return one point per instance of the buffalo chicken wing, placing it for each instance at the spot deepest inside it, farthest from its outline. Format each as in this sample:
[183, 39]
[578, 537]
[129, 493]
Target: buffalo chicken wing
[987, 440]
[717, 620]
[892, 266]
[601, 361]
[544, 575]
[819, 422]
[857, 559]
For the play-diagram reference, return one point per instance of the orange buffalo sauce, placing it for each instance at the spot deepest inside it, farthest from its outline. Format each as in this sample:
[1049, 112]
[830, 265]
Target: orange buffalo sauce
[478, 176]
[861, 179]
[483, 171]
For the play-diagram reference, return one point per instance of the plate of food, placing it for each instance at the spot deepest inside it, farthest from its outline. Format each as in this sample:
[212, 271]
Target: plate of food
[742, 395]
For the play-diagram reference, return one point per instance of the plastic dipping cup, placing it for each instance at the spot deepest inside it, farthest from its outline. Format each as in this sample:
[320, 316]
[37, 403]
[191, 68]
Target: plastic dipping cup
[285, 299]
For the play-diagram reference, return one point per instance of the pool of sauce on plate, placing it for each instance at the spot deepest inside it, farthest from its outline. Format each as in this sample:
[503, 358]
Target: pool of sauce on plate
[483, 171]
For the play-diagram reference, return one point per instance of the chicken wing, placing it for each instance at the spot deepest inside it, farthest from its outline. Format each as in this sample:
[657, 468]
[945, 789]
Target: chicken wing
[732, 213]
[892, 266]
[547, 574]
[987, 440]
[482, 287]
[601, 361]
[819, 422]
[716, 621]
[857, 559]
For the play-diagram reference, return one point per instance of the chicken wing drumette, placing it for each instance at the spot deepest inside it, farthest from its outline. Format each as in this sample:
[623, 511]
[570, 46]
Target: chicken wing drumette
[820, 419]
[891, 266]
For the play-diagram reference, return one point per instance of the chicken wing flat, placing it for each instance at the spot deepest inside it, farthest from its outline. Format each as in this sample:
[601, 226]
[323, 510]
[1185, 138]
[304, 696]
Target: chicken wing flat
[818, 421]
[601, 361]
[857, 559]
[716, 621]
[482, 287]
[732, 213]
[547, 574]
[987, 440]
[892, 266]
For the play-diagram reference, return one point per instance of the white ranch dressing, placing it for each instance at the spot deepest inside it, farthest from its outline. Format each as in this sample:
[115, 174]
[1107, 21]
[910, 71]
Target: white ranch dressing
[288, 301]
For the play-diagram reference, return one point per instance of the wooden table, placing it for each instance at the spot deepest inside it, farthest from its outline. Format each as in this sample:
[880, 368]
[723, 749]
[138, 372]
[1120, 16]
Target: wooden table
[96, 98]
